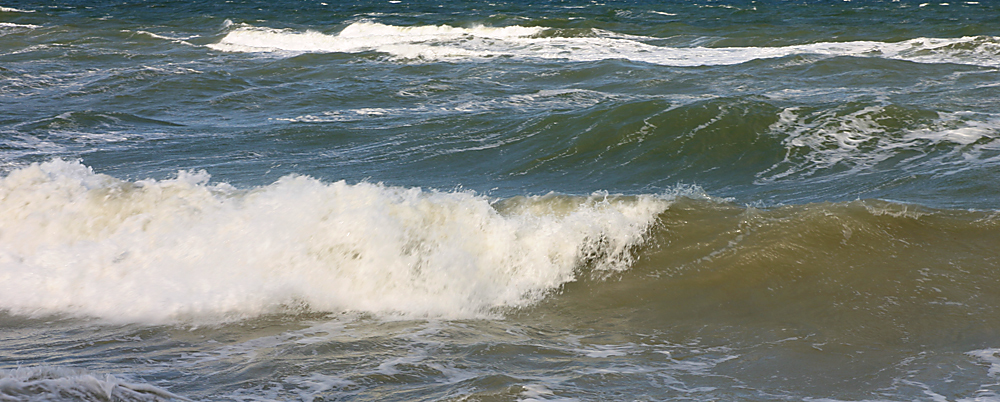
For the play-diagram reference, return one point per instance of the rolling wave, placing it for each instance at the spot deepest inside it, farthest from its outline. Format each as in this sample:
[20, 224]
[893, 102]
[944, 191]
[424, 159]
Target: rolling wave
[443, 42]
[85, 244]
[754, 140]
[8, 27]
[872, 271]
[14, 10]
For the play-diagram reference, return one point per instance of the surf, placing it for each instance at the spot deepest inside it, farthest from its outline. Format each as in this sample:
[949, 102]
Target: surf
[84, 244]
[445, 42]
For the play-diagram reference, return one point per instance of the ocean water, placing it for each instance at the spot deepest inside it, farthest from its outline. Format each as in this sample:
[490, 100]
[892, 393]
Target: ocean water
[396, 200]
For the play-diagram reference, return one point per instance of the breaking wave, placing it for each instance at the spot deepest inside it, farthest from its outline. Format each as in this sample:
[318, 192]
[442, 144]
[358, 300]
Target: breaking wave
[84, 244]
[444, 42]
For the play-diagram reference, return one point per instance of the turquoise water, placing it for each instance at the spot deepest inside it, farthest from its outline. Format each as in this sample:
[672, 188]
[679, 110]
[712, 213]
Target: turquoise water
[565, 200]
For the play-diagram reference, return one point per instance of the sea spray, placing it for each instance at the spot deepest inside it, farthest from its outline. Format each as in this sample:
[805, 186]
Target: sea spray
[80, 243]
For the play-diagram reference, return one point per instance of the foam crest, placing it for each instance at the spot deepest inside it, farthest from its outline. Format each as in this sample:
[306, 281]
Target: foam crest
[407, 42]
[424, 32]
[85, 244]
[14, 10]
[182, 39]
[13, 25]
[441, 42]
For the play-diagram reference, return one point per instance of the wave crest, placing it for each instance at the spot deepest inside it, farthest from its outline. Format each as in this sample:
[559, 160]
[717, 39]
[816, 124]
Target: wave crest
[79, 243]
[444, 42]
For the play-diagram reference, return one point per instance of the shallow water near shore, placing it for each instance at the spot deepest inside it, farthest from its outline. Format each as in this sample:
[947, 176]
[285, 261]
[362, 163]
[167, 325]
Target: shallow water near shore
[501, 201]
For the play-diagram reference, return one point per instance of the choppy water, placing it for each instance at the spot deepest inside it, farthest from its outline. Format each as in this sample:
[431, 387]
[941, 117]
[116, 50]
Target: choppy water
[500, 201]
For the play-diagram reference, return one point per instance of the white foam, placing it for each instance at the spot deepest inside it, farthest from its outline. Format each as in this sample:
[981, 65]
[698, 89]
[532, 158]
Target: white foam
[62, 384]
[317, 385]
[13, 25]
[14, 10]
[442, 42]
[181, 40]
[20, 145]
[964, 128]
[406, 42]
[987, 392]
[542, 99]
[605, 351]
[538, 392]
[857, 141]
[79, 243]
[989, 356]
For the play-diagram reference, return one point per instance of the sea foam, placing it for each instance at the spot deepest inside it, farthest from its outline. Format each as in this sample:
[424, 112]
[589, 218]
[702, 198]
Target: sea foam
[65, 384]
[14, 10]
[406, 42]
[13, 25]
[78, 243]
[859, 139]
[443, 42]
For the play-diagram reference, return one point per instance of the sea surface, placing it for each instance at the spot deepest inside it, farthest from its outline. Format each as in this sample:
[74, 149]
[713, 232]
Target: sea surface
[401, 200]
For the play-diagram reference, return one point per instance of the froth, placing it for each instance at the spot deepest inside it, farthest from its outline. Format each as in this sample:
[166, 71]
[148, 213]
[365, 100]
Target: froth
[438, 42]
[79, 243]
[63, 384]
[13, 25]
[858, 139]
[408, 42]
[14, 10]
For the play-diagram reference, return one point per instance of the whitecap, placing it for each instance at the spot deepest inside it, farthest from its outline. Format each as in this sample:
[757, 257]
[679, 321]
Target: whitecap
[13, 25]
[443, 42]
[14, 10]
[80, 243]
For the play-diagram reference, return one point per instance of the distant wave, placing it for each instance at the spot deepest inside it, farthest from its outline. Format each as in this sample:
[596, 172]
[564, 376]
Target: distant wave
[443, 42]
[14, 10]
[13, 25]
[407, 42]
